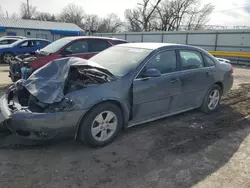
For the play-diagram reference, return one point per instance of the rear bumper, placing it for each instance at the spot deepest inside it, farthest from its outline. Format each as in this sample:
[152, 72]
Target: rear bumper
[40, 126]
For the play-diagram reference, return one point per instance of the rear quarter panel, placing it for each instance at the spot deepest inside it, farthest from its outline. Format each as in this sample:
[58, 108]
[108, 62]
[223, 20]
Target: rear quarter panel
[223, 73]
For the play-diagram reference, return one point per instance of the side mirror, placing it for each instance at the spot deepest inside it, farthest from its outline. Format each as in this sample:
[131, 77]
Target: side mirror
[65, 52]
[151, 73]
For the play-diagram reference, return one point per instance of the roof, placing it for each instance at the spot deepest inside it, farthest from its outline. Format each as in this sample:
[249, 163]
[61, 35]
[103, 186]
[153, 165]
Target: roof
[149, 45]
[1, 39]
[35, 24]
[155, 45]
[93, 37]
[34, 39]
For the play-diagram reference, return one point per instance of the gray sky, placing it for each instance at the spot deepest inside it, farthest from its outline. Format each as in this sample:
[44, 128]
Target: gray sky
[237, 10]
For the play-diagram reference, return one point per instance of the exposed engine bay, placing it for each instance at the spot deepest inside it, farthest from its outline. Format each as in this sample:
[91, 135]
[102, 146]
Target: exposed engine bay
[29, 57]
[78, 78]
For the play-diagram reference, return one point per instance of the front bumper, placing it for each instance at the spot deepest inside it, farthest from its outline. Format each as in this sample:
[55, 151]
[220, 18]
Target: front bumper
[40, 126]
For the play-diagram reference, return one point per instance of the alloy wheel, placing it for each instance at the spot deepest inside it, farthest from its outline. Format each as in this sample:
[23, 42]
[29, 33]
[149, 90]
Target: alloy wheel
[214, 99]
[104, 126]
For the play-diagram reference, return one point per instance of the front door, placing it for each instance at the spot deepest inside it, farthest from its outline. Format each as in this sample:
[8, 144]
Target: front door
[196, 78]
[157, 96]
[25, 47]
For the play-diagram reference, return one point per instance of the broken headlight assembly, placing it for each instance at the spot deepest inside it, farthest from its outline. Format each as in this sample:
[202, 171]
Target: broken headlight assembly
[65, 105]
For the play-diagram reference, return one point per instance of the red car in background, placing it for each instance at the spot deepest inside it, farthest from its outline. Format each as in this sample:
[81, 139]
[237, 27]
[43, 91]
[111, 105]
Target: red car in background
[84, 47]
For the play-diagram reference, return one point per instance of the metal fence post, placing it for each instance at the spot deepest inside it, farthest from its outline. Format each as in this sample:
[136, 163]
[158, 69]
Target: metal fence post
[162, 35]
[216, 41]
[141, 37]
[125, 36]
[187, 37]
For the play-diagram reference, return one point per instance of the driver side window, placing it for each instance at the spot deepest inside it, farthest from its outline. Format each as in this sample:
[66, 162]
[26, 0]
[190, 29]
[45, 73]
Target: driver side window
[78, 47]
[27, 44]
[165, 62]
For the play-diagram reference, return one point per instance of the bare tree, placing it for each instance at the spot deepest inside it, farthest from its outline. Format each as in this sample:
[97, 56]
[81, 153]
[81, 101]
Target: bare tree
[72, 13]
[44, 16]
[176, 14]
[171, 14]
[131, 17]
[197, 18]
[142, 15]
[112, 23]
[27, 11]
[14, 15]
[91, 22]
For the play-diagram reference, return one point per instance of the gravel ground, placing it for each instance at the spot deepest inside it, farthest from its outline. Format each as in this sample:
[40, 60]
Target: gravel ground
[188, 150]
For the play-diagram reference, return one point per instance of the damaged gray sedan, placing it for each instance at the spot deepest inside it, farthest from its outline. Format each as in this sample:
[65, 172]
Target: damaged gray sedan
[125, 85]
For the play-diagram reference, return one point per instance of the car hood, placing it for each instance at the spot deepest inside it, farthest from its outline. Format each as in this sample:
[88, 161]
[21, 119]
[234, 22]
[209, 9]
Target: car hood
[47, 83]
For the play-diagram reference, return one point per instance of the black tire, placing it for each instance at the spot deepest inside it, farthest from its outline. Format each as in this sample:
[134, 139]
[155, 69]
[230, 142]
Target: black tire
[85, 134]
[6, 53]
[205, 106]
[13, 77]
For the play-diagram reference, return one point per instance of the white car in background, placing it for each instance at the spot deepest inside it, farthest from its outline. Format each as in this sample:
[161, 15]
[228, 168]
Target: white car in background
[223, 60]
[7, 41]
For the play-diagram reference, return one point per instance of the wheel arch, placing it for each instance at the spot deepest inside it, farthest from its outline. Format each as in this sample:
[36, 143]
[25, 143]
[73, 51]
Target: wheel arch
[7, 52]
[125, 113]
[220, 85]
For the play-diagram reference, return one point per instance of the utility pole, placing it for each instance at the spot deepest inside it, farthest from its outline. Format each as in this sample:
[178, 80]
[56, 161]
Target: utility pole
[28, 9]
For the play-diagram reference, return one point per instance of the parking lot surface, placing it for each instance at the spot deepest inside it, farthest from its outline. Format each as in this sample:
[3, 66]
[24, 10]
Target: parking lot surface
[188, 150]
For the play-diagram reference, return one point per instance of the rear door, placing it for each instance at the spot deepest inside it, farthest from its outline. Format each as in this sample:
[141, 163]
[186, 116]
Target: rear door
[41, 44]
[196, 78]
[96, 46]
[157, 95]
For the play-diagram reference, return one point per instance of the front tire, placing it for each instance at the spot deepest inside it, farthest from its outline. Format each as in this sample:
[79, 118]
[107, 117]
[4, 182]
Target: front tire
[6, 57]
[101, 125]
[212, 100]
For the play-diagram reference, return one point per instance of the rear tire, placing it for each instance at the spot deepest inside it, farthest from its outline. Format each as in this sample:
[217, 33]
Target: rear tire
[212, 100]
[101, 125]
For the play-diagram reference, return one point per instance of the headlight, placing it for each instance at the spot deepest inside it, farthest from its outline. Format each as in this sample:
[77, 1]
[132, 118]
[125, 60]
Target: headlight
[66, 104]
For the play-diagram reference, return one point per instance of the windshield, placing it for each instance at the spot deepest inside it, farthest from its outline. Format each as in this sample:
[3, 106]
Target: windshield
[120, 60]
[55, 46]
[16, 42]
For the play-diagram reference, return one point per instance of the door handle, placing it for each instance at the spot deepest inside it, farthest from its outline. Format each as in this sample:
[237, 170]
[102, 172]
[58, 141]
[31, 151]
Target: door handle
[173, 80]
[208, 73]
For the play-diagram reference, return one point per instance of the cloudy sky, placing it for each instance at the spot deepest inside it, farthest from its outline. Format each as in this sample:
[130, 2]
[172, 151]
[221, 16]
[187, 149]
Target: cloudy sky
[226, 13]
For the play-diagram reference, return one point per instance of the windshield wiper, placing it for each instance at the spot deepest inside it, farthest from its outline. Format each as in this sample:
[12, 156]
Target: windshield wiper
[99, 69]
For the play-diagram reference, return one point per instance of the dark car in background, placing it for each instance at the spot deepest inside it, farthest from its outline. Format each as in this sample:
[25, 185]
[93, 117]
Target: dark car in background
[125, 85]
[8, 52]
[84, 47]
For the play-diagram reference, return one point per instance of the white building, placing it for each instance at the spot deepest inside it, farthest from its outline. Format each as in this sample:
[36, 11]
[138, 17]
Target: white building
[38, 29]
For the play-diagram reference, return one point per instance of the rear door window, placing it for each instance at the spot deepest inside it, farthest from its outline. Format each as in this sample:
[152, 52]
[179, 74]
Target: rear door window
[209, 62]
[98, 45]
[191, 60]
